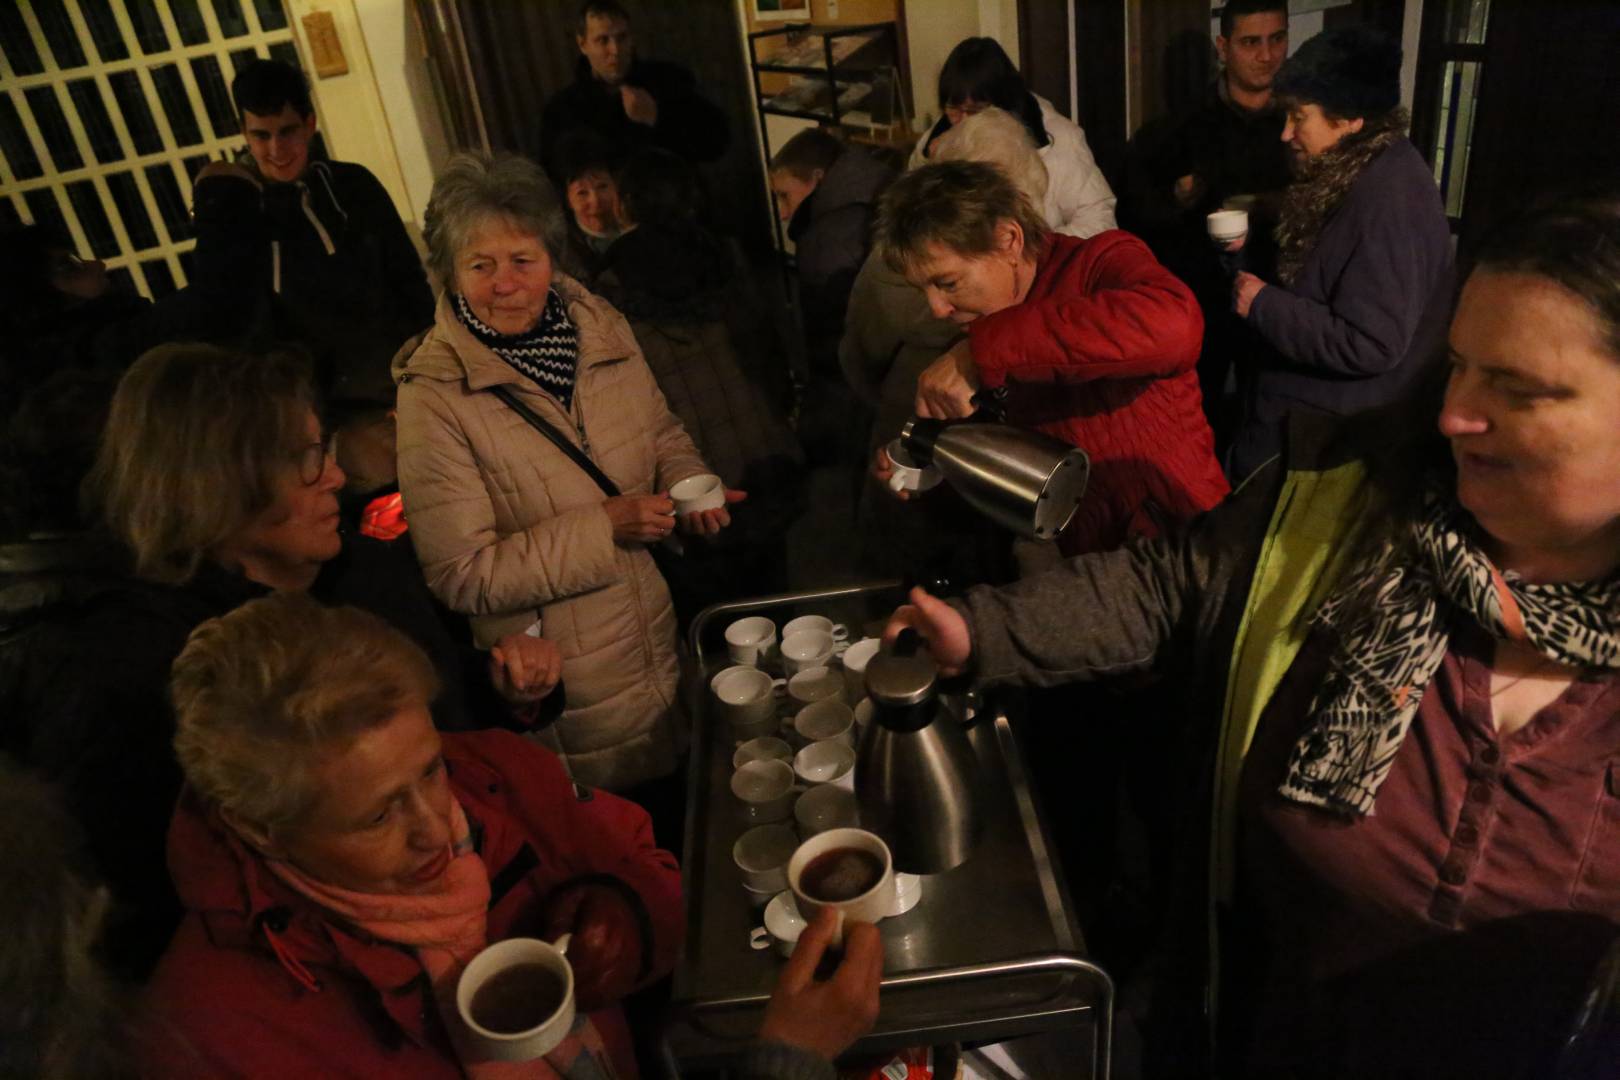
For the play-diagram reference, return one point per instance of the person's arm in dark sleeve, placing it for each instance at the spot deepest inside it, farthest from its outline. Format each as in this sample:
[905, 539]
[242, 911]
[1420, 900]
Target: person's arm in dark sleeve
[1118, 612]
[404, 280]
[1378, 299]
[688, 123]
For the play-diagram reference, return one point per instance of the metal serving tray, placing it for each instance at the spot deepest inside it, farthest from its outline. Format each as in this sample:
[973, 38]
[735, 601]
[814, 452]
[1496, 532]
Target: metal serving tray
[992, 950]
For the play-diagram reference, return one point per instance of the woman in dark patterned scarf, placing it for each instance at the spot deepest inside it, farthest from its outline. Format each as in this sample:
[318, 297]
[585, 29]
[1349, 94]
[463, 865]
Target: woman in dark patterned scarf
[1402, 638]
[1364, 268]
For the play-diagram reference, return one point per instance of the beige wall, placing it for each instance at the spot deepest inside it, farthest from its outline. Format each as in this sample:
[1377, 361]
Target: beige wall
[410, 102]
[382, 113]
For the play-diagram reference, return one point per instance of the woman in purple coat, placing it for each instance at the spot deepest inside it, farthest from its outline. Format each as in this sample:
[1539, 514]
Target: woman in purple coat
[1364, 262]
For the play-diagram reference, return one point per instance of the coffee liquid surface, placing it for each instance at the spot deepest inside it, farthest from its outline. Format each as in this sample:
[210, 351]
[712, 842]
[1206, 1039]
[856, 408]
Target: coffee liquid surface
[522, 997]
[840, 874]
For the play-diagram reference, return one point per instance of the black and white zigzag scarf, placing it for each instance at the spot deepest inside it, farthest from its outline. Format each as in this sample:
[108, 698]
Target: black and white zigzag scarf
[1390, 649]
[548, 353]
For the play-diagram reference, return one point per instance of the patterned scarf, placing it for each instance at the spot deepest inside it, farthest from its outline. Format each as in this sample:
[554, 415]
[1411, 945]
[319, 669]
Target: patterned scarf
[1389, 649]
[447, 928]
[547, 352]
[1322, 184]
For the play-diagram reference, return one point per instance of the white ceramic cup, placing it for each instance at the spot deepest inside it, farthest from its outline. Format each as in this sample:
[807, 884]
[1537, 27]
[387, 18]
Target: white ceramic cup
[761, 855]
[549, 1031]
[826, 806]
[855, 659]
[783, 923]
[704, 491]
[1226, 226]
[751, 641]
[869, 906]
[812, 685]
[764, 748]
[863, 714]
[828, 719]
[758, 898]
[907, 892]
[747, 698]
[907, 474]
[764, 790]
[804, 649]
[826, 762]
[839, 632]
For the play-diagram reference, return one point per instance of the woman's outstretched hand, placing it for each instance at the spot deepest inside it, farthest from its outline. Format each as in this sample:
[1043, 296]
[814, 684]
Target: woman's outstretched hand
[940, 626]
[710, 522]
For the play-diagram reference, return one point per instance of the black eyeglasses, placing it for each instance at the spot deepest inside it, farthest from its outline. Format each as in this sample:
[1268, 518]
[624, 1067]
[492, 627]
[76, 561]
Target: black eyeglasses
[313, 457]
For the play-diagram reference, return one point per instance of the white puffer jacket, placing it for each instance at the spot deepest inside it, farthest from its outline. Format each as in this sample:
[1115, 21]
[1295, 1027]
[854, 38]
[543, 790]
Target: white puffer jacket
[1079, 201]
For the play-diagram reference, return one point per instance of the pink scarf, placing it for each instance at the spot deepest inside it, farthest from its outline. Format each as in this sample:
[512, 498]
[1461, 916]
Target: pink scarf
[448, 927]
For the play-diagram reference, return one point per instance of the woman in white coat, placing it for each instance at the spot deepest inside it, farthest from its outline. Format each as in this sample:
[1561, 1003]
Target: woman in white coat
[979, 74]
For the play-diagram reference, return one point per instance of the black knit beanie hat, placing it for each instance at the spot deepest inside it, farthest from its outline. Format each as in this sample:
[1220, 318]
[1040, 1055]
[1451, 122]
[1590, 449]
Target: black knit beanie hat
[1349, 71]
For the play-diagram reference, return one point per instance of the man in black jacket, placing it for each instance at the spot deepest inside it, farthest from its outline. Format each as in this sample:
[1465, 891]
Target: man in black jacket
[627, 102]
[335, 269]
[1228, 146]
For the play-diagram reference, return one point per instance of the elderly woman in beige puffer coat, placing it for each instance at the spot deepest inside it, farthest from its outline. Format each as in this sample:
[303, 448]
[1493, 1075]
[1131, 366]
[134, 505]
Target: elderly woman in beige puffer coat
[509, 529]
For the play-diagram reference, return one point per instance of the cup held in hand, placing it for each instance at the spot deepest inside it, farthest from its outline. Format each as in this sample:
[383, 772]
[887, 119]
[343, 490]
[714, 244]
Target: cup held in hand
[1226, 226]
[516, 998]
[698, 493]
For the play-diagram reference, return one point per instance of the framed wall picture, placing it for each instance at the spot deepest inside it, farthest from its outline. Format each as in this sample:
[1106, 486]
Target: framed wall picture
[780, 10]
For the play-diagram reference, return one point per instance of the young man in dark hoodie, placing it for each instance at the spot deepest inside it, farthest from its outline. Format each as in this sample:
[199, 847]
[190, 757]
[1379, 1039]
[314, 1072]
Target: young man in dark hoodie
[627, 102]
[335, 269]
[1225, 146]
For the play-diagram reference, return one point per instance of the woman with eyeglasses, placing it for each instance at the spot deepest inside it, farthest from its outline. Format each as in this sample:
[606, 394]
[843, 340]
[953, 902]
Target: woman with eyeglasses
[214, 485]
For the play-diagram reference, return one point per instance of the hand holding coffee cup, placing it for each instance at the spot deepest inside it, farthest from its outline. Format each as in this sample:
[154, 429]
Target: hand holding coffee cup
[848, 870]
[826, 1017]
[700, 504]
[1228, 230]
[516, 999]
[640, 519]
[605, 942]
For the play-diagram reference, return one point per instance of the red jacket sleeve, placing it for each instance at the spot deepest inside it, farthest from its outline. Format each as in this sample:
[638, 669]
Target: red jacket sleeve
[600, 834]
[1109, 311]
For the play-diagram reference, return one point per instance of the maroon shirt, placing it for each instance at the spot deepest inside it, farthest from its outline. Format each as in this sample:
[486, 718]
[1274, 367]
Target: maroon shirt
[1470, 832]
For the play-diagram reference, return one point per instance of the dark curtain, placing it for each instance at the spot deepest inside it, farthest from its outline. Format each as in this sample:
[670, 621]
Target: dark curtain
[520, 52]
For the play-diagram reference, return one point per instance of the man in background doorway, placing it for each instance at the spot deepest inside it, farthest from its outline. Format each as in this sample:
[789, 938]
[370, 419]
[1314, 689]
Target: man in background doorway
[629, 103]
[332, 267]
[1225, 151]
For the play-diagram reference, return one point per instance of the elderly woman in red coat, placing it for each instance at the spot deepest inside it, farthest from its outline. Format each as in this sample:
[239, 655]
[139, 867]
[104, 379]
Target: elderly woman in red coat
[341, 861]
[1094, 340]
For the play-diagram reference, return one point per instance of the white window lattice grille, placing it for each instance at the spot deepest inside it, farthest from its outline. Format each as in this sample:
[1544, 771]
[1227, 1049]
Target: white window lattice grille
[109, 107]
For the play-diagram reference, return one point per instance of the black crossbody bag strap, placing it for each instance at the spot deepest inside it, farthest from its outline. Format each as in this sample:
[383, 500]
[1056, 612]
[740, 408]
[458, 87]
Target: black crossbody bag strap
[668, 546]
[543, 426]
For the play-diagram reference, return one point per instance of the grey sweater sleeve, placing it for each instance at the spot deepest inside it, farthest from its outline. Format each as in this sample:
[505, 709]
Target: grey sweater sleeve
[1119, 612]
[765, 1060]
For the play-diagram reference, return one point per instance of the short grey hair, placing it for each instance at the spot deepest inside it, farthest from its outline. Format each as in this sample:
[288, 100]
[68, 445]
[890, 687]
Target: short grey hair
[997, 137]
[475, 187]
[263, 694]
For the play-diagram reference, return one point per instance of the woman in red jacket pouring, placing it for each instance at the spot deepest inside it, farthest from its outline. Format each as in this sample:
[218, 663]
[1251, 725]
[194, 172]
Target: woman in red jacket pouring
[341, 862]
[1094, 340]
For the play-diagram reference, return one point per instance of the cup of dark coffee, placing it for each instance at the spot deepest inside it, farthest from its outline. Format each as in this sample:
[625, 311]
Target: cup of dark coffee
[848, 870]
[516, 999]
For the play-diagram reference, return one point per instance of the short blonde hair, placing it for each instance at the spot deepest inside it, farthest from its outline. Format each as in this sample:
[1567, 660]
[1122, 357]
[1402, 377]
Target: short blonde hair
[263, 693]
[997, 137]
[197, 441]
[474, 188]
[956, 205]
